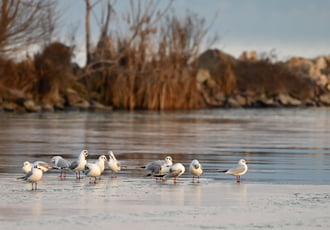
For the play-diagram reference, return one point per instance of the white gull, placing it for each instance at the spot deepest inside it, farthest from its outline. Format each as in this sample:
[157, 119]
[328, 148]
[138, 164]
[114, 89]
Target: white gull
[114, 164]
[33, 176]
[237, 171]
[174, 171]
[195, 168]
[79, 164]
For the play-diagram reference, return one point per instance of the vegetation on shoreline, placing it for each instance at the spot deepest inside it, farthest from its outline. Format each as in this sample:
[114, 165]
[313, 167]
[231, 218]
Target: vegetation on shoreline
[158, 66]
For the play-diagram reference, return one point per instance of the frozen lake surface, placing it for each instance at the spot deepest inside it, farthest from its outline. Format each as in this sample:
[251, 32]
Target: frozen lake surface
[286, 187]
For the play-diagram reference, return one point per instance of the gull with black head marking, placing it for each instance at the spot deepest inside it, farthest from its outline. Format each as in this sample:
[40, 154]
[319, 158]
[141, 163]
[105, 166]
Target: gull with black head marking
[195, 168]
[33, 176]
[94, 169]
[79, 164]
[237, 171]
[100, 162]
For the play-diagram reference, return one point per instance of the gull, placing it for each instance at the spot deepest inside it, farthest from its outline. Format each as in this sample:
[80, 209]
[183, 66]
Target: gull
[27, 166]
[159, 168]
[195, 168]
[33, 176]
[93, 169]
[60, 163]
[114, 164]
[100, 162]
[79, 164]
[174, 171]
[237, 171]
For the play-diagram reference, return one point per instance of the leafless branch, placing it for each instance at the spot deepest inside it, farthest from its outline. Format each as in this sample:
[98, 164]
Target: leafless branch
[23, 23]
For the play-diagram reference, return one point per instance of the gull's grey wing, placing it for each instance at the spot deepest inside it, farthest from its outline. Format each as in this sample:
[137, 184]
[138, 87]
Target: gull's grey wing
[26, 177]
[236, 170]
[154, 164]
[62, 164]
[164, 169]
[87, 169]
[155, 169]
[74, 165]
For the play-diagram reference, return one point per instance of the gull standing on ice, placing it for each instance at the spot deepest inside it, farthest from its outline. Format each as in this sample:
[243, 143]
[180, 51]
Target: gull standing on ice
[174, 171]
[79, 164]
[27, 166]
[60, 163]
[93, 169]
[195, 168]
[159, 168]
[100, 162]
[33, 176]
[237, 171]
[114, 164]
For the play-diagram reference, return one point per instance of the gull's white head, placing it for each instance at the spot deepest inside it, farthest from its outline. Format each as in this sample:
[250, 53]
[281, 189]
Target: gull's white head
[103, 158]
[168, 159]
[84, 153]
[242, 162]
[195, 162]
[27, 166]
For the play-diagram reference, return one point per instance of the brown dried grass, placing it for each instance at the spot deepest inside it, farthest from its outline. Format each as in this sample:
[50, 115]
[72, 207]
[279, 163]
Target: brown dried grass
[225, 78]
[18, 76]
[41, 78]
[153, 90]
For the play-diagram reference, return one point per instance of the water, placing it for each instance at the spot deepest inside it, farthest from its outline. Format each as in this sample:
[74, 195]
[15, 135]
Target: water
[282, 146]
[286, 187]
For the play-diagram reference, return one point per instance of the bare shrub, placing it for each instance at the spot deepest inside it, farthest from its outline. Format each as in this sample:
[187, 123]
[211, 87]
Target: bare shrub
[18, 76]
[151, 66]
[53, 66]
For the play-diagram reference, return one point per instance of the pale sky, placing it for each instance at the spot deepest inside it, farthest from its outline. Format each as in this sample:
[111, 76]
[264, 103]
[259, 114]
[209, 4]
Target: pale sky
[291, 27]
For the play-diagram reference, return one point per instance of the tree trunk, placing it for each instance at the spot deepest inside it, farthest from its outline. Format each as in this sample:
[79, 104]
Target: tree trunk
[88, 32]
